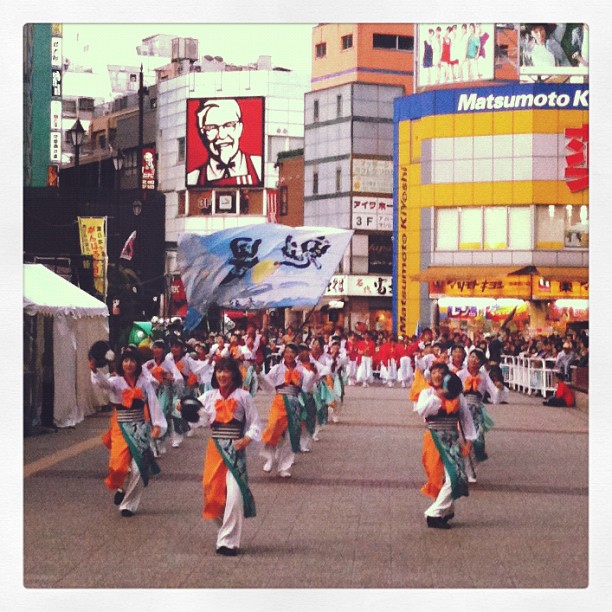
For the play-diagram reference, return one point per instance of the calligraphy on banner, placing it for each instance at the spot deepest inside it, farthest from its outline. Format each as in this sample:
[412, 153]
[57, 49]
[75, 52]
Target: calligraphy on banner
[258, 266]
[92, 235]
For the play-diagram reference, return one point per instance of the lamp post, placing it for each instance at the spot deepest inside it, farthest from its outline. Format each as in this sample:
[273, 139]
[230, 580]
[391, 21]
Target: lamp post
[76, 132]
[115, 304]
[118, 158]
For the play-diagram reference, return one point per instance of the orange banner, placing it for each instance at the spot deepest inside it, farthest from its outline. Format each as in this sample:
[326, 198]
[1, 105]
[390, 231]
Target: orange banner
[511, 287]
[554, 290]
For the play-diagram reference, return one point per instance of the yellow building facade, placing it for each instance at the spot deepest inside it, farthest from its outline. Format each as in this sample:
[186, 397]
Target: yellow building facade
[491, 202]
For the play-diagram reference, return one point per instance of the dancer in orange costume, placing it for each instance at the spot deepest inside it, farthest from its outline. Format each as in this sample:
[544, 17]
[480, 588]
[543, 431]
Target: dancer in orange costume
[232, 416]
[137, 416]
[446, 413]
[281, 436]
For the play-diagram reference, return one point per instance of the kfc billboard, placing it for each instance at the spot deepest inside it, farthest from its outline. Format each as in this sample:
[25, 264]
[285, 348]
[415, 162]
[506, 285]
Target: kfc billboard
[454, 53]
[225, 142]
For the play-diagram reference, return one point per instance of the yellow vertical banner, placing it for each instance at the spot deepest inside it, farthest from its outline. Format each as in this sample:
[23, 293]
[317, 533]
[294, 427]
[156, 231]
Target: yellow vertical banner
[92, 235]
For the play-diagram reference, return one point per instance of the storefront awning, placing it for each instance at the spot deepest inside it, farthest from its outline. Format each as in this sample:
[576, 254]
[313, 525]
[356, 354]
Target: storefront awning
[563, 274]
[455, 273]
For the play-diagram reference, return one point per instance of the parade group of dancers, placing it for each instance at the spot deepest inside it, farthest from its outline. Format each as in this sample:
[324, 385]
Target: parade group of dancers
[166, 398]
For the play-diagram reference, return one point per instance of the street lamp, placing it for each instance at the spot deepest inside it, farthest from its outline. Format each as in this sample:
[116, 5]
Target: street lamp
[76, 132]
[115, 310]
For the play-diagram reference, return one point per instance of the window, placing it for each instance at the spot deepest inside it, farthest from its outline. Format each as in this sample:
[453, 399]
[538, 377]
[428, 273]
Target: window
[86, 104]
[519, 228]
[347, 42]
[446, 229]
[69, 108]
[470, 229]
[315, 111]
[102, 141]
[338, 106]
[181, 203]
[393, 41]
[487, 228]
[315, 183]
[321, 50]
[496, 227]
[562, 227]
[181, 149]
[338, 180]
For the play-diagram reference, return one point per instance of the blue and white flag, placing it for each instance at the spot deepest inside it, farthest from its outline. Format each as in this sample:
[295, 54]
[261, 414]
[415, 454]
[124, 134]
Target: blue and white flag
[258, 266]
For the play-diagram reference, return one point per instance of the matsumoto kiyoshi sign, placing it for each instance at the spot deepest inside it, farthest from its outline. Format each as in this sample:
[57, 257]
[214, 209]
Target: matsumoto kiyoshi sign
[578, 100]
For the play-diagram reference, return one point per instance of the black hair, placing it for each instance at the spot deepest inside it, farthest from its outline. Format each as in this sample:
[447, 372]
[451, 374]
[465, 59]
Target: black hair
[230, 364]
[130, 353]
[438, 365]
[480, 354]
[453, 385]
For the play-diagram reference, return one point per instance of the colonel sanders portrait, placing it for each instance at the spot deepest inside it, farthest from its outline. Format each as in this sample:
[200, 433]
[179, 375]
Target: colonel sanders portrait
[220, 127]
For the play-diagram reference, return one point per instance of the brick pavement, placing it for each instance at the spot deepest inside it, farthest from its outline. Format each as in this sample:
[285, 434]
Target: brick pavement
[350, 517]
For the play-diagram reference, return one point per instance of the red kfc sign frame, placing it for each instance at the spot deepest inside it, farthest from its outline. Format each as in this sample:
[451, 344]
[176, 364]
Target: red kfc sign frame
[225, 142]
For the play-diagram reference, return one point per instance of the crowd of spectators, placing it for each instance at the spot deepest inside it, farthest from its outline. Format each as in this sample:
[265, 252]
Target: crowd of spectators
[571, 349]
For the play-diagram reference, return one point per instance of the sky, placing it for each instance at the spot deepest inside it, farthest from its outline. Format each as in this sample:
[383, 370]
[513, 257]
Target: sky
[238, 43]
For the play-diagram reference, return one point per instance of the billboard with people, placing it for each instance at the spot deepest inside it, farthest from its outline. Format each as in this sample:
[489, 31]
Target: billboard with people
[553, 49]
[455, 52]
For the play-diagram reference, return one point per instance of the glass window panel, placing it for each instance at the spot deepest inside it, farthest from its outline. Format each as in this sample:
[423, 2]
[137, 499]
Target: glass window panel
[446, 229]
[550, 223]
[495, 227]
[520, 230]
[470, 229]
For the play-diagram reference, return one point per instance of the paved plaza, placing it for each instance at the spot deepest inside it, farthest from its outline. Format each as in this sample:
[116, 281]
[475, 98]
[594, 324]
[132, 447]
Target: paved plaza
[351, 516]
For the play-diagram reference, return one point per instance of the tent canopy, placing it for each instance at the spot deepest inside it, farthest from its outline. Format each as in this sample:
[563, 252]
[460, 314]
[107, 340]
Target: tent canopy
[47, 293]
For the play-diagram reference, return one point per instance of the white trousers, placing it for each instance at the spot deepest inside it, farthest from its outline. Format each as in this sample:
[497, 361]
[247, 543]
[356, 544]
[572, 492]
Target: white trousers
[405, 373]
[364, 371]
[305, 439]
[281, 454]
[133, 489]
[443, 504]
[230, 527]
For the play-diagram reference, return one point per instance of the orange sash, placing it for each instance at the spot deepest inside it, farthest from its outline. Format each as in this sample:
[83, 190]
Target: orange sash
[418, 384]
[129, 395]
[213, 482]
[434, 468]
[224, 409]
[192, 380]
[471, 383]
[277, 421]
[450, 406]
[158, 373]
[120, 456]
[292, 377]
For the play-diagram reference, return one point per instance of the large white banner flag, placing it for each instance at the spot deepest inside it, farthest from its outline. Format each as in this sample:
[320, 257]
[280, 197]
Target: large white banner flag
[258, 266]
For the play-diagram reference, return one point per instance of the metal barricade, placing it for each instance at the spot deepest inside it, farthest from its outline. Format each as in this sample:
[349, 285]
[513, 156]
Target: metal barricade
[529, 375]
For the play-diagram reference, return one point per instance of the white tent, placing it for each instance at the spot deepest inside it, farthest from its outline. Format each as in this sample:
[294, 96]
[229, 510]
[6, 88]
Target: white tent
[78, 320]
